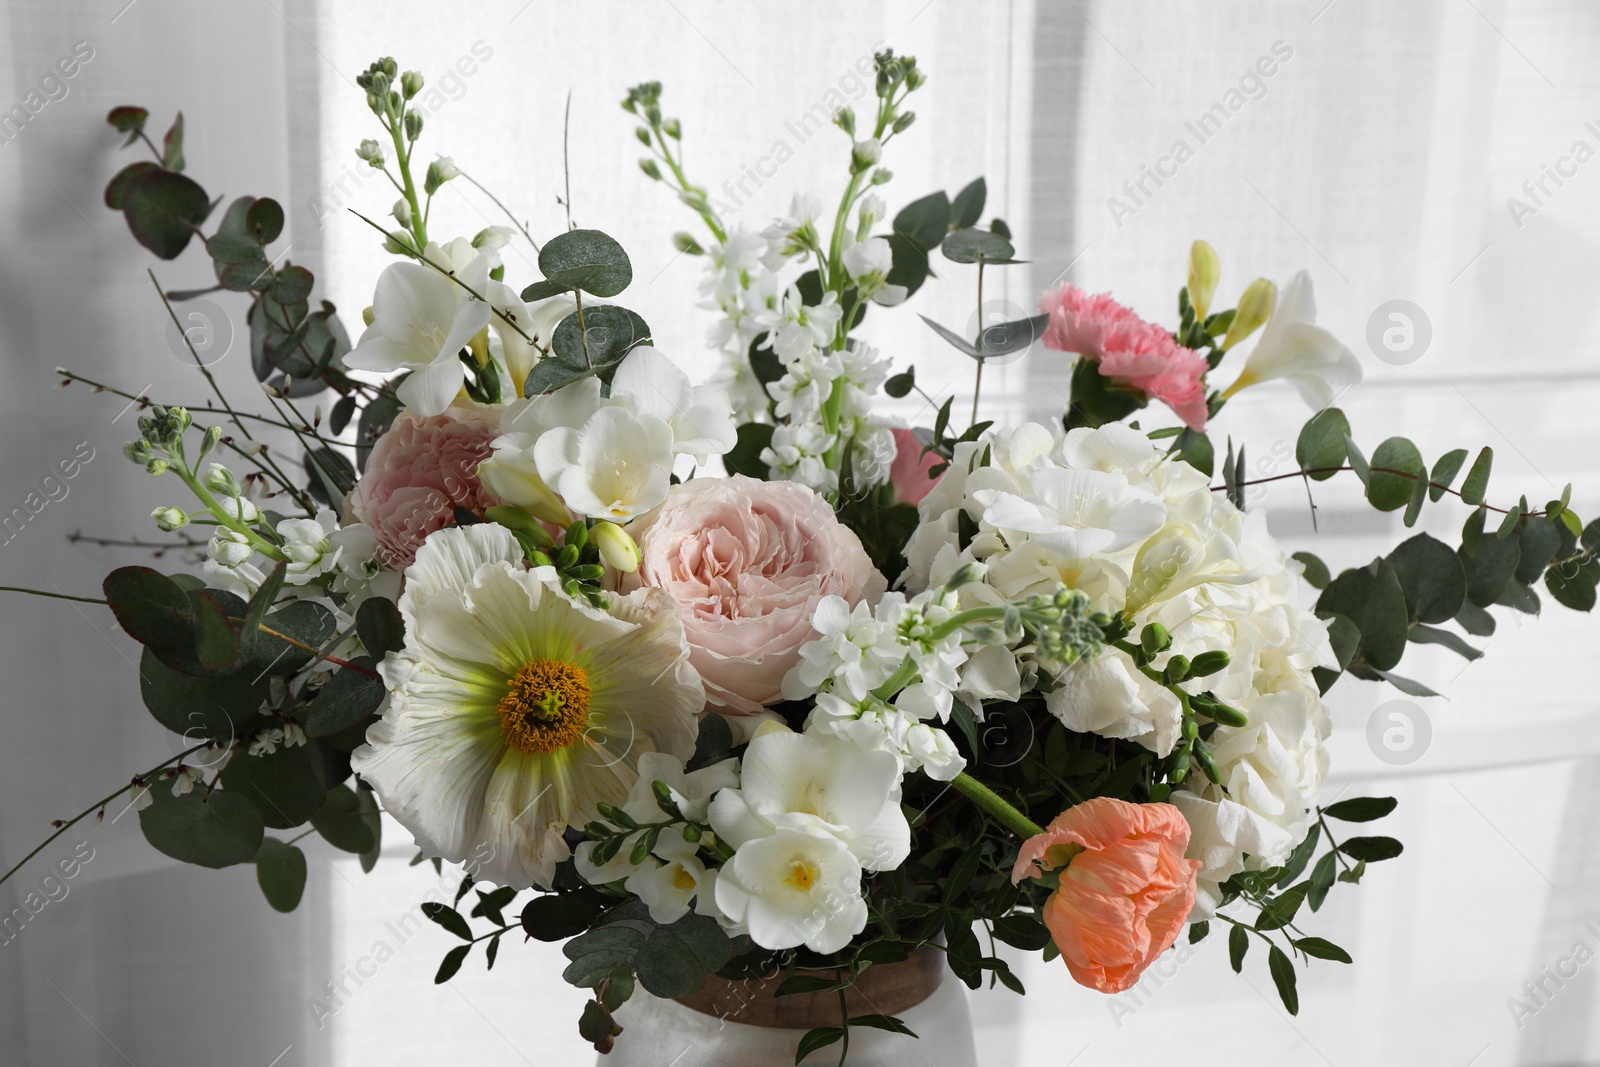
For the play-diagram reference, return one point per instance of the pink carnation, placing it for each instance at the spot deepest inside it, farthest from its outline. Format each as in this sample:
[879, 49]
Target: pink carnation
[1139, 353]
[909, 474]
[419, 472]
[747, 561]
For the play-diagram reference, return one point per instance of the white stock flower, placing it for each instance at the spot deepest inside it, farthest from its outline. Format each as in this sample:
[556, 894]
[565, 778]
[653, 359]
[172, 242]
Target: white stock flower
[795, 328]
[421, 320]
[307, 546]
[798, 454]
[852, 652]
[1294, 348]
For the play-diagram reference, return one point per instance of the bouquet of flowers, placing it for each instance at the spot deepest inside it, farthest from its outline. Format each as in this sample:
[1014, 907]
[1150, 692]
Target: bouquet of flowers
[744, 678]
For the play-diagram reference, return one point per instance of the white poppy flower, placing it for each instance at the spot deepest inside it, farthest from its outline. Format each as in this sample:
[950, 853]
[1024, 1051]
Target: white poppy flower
[420, 322]
[513, 710]
[799, 885]
[1294, 348]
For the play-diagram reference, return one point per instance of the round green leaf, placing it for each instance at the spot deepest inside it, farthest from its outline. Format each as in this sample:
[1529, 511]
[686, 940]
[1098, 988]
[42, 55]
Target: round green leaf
[285, 785]
[1372, 599]
[343, 821]
[1431, 574]
[264, 221]
[972, 244]
[199, 706]
[380, 627]
[1573, 585]
[117, 187]
[307, 622]
[164, 210]
[1391, 492]
[216, 829]
[281, 873]
[1537, 545]
[925, 220]
[292, 285]
[587, 260]
[127, 118]
[1490, 565]
[1321, 446]
[150, 607]
[350, 698]
[595, 341]
[236, 250]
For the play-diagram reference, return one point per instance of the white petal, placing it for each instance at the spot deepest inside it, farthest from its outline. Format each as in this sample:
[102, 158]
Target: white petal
[430, 390]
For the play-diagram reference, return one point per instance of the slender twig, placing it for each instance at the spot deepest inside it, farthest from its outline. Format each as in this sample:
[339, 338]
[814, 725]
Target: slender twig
[53, 596]
[198, 362]
[420, 258]
[476, 185]
[566, 159]
[97, 806]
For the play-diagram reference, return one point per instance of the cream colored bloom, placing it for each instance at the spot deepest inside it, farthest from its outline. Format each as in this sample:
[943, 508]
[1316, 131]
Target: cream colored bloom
[1294, 348]
[513, 710]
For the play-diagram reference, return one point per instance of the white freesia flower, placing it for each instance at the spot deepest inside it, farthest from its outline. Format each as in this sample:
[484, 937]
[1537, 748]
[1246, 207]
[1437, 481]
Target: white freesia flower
[803, 781]
[1076, 513]
[700, 417]
[421, 320]
[1294, 348]
[799, 885]
[669, 888]
[615, 466]
[514, 710]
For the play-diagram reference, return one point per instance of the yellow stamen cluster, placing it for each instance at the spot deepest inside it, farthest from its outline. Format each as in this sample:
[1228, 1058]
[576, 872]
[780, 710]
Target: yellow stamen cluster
[546, 707]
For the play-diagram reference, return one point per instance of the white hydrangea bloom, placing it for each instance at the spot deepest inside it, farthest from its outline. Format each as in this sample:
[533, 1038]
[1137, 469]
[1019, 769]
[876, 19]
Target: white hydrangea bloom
[1102, 511]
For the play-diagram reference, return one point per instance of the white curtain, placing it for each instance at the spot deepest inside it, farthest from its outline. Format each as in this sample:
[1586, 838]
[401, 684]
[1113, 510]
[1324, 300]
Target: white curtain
[1379, 154]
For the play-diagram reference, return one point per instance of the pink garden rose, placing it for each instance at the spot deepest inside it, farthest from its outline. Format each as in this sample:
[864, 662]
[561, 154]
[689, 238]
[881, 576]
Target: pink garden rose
[419, 472]
[747, 561]
[1138, 353]
[909, 474]
[1125, 888]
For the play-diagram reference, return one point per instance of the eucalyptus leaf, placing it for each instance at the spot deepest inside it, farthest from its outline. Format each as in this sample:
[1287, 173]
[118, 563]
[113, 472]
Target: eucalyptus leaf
[1321, 446]
[212, 828]
[281, 873]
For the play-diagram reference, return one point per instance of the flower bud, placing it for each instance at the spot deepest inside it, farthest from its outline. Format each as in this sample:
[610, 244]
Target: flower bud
[411, 83]
[220, 479]
[1177, 669]
[1209, 663]
[1155, 639]
[170, 518]
[845, 119]
[1255, 307]
[650, 169]
[138, 451]
[157, 466]
[398, 243]
[903, 123]
[866, 153]
[213, 435]
[881, 175]
[619, 550]
[370, 152]
[402, 211]
[964, 575]
[672, 129]
[1204, 270]
[685, 242]
[229, 549]
[413, 124]
[440, 171]
[642, 133]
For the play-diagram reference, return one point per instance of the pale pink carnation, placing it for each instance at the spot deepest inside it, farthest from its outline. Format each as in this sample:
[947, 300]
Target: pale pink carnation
[747, 561]
[1138, 353]
[909, 473]
[419, 472]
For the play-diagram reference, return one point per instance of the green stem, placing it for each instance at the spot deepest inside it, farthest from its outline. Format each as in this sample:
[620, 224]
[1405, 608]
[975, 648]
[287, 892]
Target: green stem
[53, 596]
[992, 803]
[419, 227]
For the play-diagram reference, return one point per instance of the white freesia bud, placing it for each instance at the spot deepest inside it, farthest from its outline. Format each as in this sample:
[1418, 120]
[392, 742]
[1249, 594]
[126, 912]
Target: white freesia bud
[1254, 308]
[1204, 270]
[170, 518]
[619, 551]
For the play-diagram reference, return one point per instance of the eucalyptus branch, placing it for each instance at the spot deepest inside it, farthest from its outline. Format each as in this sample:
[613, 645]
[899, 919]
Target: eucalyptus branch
[1375, 470]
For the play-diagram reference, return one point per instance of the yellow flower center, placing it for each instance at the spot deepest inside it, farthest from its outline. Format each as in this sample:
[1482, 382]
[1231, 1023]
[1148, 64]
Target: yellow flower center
[802, 875]
[683, 880]
[546, 707]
